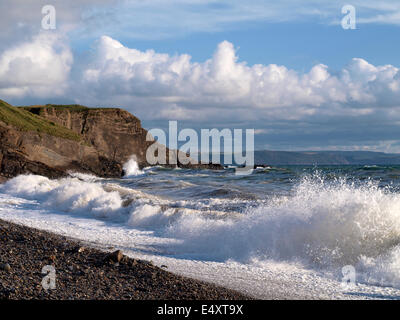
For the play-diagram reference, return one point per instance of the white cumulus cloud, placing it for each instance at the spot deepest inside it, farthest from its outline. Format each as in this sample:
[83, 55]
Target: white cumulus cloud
[225, 85]
[319, 106]
[37, 68]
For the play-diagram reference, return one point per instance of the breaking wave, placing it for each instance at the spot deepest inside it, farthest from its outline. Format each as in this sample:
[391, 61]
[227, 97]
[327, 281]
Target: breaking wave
[131, 168]
[323, 224]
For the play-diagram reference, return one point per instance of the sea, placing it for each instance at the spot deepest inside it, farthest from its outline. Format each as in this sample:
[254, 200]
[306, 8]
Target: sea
[281, 232]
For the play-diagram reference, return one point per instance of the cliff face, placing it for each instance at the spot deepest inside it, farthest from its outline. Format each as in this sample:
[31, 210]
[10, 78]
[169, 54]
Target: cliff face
[32, 152]
[96, 141]
[51, 140]
[115, 133]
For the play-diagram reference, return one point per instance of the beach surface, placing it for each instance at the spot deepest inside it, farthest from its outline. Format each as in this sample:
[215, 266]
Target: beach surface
[87, 273]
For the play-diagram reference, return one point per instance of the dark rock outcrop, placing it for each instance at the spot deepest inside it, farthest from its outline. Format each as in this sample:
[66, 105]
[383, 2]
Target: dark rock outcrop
[38, 153]
[102, 140]
[113, 132]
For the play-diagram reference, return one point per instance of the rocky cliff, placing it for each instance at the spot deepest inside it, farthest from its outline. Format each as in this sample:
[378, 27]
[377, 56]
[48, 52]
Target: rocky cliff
[32, 144]
[114, 133]
[51, 140]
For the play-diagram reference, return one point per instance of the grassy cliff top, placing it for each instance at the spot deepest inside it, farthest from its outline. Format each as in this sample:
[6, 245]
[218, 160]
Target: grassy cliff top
[38, 109]
[27, 121]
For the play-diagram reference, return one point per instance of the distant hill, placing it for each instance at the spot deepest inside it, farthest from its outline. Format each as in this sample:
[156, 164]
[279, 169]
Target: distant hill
[325, 158]
[276, 158]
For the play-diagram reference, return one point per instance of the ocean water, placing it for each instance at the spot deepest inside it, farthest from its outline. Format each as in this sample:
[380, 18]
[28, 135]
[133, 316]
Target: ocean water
[280, 232]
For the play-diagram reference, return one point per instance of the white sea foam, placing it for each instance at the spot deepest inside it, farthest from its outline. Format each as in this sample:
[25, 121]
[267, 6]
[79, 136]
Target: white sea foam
[150, 216]
[84, 176]
[321, 225]
[131, 168]
[67, 195]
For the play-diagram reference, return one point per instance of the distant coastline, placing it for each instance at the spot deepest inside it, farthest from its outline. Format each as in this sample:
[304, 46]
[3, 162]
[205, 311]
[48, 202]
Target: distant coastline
[326, 158]
[323, 158]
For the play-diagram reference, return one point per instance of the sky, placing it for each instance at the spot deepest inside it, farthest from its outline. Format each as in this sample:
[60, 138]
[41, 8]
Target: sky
[288, 69]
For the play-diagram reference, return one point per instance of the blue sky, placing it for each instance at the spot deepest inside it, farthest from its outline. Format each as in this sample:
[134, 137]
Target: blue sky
[287, 69]
[297, 45]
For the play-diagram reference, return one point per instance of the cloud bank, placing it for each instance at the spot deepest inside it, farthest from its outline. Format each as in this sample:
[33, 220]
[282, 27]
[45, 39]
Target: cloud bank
[39, 68]
[221, 90]
[226, 84]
